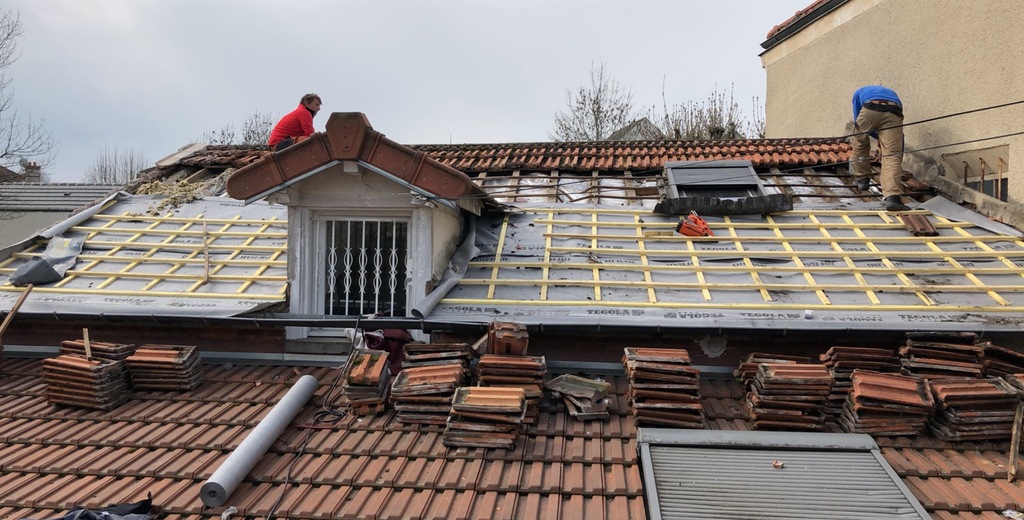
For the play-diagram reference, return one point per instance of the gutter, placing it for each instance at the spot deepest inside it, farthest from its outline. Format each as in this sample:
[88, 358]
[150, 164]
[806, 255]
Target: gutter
[802, 22]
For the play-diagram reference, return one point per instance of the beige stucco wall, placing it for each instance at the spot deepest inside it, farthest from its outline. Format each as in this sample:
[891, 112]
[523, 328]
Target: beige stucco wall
[941, 56]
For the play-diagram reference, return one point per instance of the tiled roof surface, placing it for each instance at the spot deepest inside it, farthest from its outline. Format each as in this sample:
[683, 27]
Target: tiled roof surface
[587, 157]
[634, 156]
[793, 19]
[169, 443]
[64, 196]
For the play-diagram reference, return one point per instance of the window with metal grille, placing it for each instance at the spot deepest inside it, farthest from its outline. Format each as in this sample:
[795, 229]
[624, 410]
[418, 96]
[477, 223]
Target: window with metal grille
[363, 266]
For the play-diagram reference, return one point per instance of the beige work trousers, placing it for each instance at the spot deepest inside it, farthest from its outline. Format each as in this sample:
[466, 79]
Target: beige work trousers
[890, 144]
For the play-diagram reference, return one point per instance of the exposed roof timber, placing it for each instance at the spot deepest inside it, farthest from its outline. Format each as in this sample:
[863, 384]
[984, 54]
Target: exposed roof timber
[349, 137]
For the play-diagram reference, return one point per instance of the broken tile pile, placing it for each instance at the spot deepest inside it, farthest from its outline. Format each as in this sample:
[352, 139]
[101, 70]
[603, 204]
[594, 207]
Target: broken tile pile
[73, 379]
[789, 396]
[941, 355]
[525, 372]
[1000, 361]
[664, 389]
[748, 367]
[973, 409]
[429, 354]
[366, 381]
[482, 417]
[842, 361]
[883, 404]
[584, 398]
[165, 367]
[423, 395]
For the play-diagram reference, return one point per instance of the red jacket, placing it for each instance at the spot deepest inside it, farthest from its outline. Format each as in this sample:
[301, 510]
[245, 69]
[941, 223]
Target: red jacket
[297, 123]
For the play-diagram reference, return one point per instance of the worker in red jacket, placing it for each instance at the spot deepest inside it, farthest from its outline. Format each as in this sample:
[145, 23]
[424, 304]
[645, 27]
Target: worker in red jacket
[295, 125]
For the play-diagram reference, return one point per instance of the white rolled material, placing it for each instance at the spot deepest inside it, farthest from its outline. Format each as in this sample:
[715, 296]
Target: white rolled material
[223, 482]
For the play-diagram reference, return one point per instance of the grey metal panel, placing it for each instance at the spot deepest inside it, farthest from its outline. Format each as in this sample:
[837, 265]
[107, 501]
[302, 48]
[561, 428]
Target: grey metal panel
[836, 478]
[51, 197]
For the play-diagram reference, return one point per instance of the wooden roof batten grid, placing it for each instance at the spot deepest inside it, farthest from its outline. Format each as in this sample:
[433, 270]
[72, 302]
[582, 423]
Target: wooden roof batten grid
[601, 257]
[199, 255]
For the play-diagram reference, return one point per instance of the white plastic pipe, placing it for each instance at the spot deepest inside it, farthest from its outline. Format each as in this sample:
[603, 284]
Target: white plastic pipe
[223, 482]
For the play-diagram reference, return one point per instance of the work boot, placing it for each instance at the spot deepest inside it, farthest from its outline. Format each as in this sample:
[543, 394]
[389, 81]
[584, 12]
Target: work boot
[893, 203]
[864, 183]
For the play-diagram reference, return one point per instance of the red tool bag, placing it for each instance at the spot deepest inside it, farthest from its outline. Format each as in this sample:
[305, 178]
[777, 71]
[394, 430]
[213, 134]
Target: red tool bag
[694, 226]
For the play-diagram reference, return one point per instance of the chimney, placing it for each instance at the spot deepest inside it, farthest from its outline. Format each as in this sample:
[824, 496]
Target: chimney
[31, 171]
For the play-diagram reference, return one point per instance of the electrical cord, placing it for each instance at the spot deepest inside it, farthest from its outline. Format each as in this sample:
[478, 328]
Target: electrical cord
[324, 415]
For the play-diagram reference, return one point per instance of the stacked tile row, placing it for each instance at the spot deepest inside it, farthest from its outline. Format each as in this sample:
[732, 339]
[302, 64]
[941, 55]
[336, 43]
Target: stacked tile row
[584, 398]
[430, 354]
[747, 369]
[98, 349]
[523, 372]
[789, 396]
[883, 404]
[973, 409]
[664, 389]
[481, 417]
[423, 395]
[936, 360]
[165, 367]
[842, 361]
[366, 381]
[1000, 361]
[75, 380]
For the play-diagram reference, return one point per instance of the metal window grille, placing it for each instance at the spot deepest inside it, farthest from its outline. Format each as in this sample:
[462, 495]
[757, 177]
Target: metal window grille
[362, 266]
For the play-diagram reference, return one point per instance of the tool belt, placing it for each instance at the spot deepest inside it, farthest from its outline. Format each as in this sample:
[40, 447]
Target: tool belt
[885, 106]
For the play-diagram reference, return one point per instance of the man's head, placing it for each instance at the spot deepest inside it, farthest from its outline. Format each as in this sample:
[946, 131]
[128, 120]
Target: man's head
[312, 102]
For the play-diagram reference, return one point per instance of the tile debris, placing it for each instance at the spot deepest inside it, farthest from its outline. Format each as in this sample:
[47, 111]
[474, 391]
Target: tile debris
[584, 398]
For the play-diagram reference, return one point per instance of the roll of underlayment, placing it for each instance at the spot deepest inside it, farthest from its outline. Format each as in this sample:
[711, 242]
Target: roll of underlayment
[223, 482]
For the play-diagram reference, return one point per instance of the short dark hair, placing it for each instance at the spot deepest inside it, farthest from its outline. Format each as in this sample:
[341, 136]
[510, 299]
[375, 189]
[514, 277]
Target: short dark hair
[309, 98]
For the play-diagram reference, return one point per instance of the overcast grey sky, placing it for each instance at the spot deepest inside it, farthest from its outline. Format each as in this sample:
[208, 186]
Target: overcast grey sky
[155, 75]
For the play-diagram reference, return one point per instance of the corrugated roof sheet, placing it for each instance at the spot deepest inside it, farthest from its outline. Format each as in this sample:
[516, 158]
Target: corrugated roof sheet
[29, 196]
[703, 474]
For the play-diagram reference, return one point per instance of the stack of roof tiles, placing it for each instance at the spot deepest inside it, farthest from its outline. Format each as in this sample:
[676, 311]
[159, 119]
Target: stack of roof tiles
[664, 389]
[973, 409]
[165, 367]
[423, 395]
[584, 398]
[430, 354]
[789, 396]
[75, 380]
[935, 359]
[1001, 361]
[366, 381]
[747, 369]
[101, 350]
[482, 417]
[98, 349]
[525, 372]
[887, 404]
[842, 361]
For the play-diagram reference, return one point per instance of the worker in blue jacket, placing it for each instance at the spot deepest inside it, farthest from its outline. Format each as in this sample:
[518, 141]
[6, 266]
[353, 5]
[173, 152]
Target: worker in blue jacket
[878, 112]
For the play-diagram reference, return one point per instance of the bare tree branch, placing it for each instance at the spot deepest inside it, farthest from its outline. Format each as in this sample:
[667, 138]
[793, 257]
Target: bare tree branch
[596, 111]
[255, 131]
[116, 166]
[20, 137]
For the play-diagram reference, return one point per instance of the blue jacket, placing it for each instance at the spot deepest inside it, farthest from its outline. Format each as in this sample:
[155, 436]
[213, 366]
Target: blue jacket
[870, 92]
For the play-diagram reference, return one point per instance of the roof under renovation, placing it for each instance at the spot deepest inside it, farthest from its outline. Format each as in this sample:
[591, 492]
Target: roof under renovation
[150, 255]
